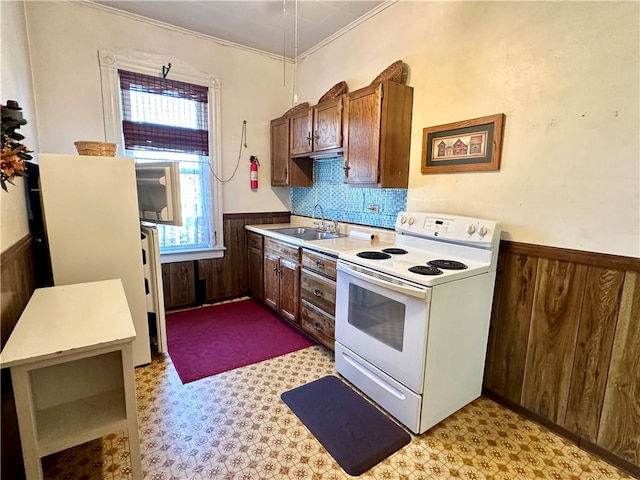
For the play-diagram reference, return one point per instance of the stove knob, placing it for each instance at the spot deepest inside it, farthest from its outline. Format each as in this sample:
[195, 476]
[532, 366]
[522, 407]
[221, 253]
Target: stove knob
[471, 229]
[411, 220]
[483, 231]
[403, 219]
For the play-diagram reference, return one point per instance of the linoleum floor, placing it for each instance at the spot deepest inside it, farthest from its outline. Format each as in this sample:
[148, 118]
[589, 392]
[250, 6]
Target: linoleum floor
[235, 426]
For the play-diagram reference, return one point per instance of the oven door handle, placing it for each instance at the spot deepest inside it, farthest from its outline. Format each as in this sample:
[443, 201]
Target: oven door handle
[403, 288]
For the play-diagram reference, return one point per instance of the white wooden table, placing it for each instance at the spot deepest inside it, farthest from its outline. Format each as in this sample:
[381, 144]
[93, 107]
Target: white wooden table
[72, 370]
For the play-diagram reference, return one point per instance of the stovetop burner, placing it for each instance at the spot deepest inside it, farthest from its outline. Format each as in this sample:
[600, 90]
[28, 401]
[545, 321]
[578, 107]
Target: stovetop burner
[374, 255]
[447, 264]
[395, 251]
[425, 270]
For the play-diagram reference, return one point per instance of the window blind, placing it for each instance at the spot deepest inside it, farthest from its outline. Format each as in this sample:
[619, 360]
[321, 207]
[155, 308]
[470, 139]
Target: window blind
[162, 114]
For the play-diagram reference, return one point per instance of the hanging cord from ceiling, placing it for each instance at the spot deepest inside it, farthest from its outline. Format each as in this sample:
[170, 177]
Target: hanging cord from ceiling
[284, 43]
[294, 70]
[243, 144]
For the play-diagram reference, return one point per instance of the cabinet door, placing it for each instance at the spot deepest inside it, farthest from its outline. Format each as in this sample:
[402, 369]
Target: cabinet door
[280, 151]
[289, 290]
[255, 272]
[301, 138]
[271, 280]
[327, 125]
[362, 135]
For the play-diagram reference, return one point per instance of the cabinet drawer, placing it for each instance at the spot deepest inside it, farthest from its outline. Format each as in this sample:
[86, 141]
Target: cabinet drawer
[317, 324]
[322, 264]
[254, 240]
[282, 250]
[319, 291]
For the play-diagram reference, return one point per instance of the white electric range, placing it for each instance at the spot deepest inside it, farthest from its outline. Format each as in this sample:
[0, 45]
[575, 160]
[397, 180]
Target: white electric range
[412, 319]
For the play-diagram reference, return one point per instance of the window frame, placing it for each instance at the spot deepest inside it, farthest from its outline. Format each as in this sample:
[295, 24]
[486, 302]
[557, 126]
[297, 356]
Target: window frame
[148, 64]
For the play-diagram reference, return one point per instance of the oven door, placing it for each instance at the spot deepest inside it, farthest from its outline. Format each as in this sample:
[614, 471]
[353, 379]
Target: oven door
[384, 320]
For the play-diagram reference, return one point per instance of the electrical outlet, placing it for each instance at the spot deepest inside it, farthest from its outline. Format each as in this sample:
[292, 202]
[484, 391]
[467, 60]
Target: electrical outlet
[374, 208]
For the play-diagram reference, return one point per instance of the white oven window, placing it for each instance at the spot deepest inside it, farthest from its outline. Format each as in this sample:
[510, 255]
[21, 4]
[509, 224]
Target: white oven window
[377, 316]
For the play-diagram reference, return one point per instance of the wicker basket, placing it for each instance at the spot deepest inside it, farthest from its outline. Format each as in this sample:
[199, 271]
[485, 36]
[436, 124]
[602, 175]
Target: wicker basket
[297, 108]
[97, 149]
[396, 72]
[334, 92]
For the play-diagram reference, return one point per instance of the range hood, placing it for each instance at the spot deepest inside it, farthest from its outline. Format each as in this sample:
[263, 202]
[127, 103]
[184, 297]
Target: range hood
[334, 152]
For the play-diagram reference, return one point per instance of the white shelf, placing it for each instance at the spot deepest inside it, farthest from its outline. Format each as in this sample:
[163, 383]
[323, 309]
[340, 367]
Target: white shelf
[86, 419]
[71, 360]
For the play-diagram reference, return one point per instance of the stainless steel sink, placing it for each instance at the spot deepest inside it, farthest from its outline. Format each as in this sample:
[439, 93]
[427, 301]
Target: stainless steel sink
[304, 233]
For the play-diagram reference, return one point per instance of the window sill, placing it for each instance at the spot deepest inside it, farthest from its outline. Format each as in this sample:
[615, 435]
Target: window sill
[217, 252]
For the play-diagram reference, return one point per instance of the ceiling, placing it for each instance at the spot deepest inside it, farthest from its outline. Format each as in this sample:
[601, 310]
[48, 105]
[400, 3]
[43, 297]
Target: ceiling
[290, 28]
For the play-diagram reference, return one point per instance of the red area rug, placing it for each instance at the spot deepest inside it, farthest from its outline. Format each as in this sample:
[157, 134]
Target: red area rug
[210, 340]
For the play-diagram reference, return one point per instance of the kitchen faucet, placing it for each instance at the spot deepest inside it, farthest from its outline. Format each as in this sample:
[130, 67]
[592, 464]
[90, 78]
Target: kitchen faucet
[318, 225]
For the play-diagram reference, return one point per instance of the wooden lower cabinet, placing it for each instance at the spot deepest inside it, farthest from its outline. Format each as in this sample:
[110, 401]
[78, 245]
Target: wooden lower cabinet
[282, 278]
[318, 296]
[255, 270]
[317, 323]
[318, 291]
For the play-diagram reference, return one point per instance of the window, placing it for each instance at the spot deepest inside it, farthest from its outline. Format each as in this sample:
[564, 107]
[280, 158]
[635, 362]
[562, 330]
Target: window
[170, 119]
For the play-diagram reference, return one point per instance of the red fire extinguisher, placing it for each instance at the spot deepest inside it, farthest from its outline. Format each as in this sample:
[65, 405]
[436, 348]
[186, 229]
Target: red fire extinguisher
[254, 172]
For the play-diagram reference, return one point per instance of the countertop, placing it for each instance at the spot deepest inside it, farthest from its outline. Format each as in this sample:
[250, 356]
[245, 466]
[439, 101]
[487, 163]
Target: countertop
[331, 246]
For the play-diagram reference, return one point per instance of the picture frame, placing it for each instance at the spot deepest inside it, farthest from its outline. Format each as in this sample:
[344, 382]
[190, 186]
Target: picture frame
[466, 146]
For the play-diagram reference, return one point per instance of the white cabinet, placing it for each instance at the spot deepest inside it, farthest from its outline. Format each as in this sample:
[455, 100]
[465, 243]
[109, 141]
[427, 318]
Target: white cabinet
[72, 370]
[90, 207]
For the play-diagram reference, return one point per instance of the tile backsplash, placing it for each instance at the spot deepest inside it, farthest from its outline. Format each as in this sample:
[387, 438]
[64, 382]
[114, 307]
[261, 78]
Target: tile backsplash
[344, 203]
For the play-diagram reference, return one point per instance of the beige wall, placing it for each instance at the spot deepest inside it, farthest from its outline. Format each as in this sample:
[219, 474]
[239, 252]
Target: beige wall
[65, 38]
[16, 85]
[565, 74]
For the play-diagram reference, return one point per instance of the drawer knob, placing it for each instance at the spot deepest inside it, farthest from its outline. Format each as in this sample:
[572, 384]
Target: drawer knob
[319, 264]
[318, 326]
[318, 293]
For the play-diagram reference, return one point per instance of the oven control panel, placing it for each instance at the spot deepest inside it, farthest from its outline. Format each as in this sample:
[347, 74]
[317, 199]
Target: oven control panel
[445, 225]
[449, 227]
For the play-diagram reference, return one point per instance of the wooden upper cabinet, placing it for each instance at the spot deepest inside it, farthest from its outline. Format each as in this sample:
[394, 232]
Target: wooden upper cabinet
[377, 139]
[286, 172]
[327, 125]
[317, 129]
[280, 151]
[301, 136]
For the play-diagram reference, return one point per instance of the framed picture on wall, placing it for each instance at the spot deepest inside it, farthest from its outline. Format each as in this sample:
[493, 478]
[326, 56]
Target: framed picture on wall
[466, 146]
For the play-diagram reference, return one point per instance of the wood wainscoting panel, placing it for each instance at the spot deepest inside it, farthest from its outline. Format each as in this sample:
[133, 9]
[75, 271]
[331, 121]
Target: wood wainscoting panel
[494, 326]
[178, 283]
[18, 283]
[619, 430]
[227, 277]
[554, 325]
[513, 323]
[593, 351]
[207, 281]
[17, 286]
[574, 317]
